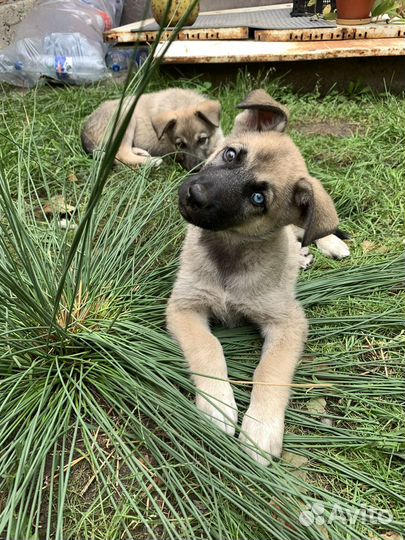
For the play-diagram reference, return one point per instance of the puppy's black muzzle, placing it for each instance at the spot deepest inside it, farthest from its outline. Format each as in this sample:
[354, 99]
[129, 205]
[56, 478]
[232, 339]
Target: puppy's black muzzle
[194, 198]
[197, 196]
[208, 201]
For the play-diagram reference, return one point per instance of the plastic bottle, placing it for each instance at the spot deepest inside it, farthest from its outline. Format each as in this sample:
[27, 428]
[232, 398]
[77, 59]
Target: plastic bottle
[119, 58]
[60, 40]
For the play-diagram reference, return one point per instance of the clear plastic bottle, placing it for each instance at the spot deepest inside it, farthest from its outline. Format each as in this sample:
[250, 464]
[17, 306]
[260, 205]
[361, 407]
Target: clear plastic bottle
[119, 58]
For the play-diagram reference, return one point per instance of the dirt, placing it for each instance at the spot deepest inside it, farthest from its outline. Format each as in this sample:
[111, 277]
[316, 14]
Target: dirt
[330, 129]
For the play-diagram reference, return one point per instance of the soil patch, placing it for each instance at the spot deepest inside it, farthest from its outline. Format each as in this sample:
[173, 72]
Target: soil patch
[330, 129]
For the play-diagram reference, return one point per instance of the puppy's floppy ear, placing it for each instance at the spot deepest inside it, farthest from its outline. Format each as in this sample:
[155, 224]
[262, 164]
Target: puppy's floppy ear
[162, 123]
[262, 113]
[313, 210]
[210, 112]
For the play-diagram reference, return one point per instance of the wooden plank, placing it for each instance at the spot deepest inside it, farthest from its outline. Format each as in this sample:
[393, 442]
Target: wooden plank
[125, 33]
[370, 31]
[216, 52]
[201, 34]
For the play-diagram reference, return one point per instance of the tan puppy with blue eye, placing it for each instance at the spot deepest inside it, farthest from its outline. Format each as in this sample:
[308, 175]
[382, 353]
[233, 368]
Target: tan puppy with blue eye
[240, 263]
[174, 121]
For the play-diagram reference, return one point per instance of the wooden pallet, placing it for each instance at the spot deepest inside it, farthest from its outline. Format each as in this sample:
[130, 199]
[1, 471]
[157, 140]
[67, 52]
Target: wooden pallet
[370, 31]
[134, 33]
[217, 52]
[119, 35]
[131, 34]
[227, 45]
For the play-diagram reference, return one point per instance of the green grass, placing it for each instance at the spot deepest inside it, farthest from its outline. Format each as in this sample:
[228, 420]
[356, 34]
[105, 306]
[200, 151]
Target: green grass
[99, 436]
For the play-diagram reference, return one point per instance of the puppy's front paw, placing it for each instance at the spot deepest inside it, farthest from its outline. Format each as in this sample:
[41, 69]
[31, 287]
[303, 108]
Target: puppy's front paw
[216, 400]
[261, 433]
[146, 158]
[305, 258]
[333, 247]
[155, 161]
[140, 152]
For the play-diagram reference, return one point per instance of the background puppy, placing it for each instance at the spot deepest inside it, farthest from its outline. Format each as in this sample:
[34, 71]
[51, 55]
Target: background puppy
[331, 245]
[171, 121]
[240, 262]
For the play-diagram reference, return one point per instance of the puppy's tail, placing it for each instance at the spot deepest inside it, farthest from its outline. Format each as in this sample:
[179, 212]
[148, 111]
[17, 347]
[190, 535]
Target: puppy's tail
[343, 235]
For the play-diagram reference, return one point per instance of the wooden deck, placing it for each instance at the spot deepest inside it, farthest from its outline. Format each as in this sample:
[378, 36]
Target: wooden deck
[216, 52]
[247, 44]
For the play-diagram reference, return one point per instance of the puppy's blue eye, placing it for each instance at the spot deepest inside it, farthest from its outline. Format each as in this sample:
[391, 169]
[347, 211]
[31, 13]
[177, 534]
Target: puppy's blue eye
[230, 154]
[257, 199]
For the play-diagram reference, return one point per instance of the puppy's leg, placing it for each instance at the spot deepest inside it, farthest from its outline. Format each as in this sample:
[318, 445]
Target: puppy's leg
[263, 424]
[205, 358]
[333, 247]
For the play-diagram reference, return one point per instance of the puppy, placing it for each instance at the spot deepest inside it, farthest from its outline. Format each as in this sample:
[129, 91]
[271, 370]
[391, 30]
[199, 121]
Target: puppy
[332, 245]
[240, 262]
[173, 121]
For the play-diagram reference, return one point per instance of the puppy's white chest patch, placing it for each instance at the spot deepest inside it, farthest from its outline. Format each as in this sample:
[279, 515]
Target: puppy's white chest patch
[232, 307]
[228, 312]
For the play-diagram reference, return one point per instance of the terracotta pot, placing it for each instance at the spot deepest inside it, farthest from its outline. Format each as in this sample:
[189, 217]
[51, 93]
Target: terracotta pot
[176, 11]
[354, 9]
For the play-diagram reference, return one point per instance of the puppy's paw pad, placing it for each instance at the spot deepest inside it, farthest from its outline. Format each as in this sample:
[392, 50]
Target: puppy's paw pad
[262, 435]
[218, 403]
[333, 247]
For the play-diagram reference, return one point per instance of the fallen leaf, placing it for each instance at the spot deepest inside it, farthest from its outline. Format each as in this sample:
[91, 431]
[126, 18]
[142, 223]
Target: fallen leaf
[297, 463]
[307, 358]
[58, 205]
[369, 247]
[294, 460]
[317, 406]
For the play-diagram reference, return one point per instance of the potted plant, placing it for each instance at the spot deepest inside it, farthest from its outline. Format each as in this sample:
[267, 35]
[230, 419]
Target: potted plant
[350, 12]
[361, 11]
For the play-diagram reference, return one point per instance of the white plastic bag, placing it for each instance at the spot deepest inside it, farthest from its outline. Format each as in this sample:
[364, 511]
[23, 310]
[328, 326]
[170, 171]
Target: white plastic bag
[60, 40]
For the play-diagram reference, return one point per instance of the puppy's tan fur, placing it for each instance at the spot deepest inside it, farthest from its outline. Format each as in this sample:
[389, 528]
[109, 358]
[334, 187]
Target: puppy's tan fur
[166, 122]
[249, 272]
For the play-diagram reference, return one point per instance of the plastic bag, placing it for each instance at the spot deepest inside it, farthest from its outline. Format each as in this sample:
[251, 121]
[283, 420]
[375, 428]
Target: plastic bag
[60, 40]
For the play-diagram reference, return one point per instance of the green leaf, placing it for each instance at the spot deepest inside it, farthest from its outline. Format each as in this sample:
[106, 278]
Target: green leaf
[330, 16]
[384, 6]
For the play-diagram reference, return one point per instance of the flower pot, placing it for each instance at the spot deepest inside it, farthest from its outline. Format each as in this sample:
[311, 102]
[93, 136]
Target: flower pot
[354, 11]
[175, 12]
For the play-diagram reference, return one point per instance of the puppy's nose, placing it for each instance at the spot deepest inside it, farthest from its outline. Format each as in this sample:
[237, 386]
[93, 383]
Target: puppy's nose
[197, 195]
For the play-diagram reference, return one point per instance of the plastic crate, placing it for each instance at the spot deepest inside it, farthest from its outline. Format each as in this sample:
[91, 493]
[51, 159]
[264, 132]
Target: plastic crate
[301, 9]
